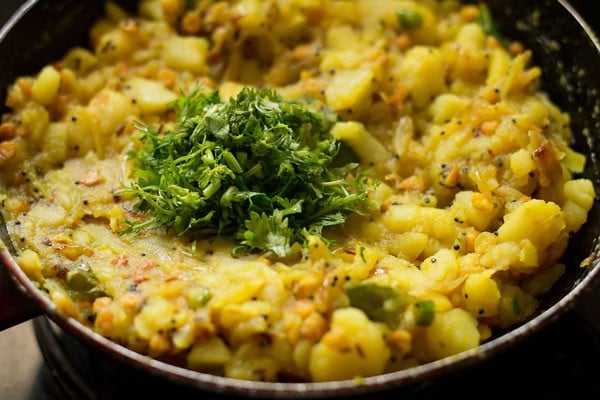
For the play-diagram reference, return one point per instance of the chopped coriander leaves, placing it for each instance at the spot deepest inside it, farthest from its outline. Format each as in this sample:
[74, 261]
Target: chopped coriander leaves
[256, 167]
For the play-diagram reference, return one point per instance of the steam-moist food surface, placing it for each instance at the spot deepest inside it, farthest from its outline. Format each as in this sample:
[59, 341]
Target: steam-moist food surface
[479, 189]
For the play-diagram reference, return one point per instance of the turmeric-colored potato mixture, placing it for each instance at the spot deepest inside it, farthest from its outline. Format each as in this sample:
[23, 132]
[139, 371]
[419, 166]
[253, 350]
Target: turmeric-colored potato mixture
[432, 186]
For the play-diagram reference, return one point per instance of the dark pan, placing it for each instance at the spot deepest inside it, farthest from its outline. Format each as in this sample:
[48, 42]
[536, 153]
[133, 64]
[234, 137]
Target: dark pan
[563, 45]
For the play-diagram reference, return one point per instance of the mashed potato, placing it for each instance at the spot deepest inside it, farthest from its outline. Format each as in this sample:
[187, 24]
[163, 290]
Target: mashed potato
[479, 188]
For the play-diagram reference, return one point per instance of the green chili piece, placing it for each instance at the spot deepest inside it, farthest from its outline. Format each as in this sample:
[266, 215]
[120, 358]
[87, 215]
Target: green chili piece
[379, 303]
[424, 312]
[409, 19]
[83, 283]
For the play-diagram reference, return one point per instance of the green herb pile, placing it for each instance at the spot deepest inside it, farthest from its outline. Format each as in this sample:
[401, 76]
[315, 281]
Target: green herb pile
[256, 167]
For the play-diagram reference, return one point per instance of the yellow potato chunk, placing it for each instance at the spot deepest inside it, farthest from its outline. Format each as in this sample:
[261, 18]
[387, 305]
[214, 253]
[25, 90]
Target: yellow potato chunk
[110, 109]
[466, 207]
[366, 146]
[481, 294]
[210, 353]
[443, 265]
[574, 160]
[446, 106]
[450, 333]
[537, 220]
[46, 85]
[150, 96]
[422, 72]
[253, 14]
[343, 37]
[498, 67]
[409, 244]
[31, 264]
[471, 37]
[185, 53]
[157, 315]
[50, 215]
[350, 89]
[79, 130]
[521, 162]
[115, 45]
[81, 60]
[580, 195]
[353, 347]
[435, 222]
[55, 143]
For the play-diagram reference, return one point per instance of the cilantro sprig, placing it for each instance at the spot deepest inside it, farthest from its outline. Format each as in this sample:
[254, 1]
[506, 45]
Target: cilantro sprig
[255, 167]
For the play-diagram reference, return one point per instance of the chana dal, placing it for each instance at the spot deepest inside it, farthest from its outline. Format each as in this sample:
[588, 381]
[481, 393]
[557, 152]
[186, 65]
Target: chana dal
[476, 188]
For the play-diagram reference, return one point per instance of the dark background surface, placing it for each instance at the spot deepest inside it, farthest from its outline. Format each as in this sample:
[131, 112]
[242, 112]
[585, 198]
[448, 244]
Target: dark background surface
[561, 362]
